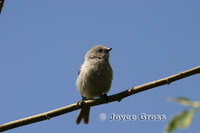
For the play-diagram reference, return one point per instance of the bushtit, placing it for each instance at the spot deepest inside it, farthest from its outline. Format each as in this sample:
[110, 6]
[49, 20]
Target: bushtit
[94, 77]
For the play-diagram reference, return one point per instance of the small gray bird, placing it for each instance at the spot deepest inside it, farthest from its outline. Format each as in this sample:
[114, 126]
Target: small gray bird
[94, 77]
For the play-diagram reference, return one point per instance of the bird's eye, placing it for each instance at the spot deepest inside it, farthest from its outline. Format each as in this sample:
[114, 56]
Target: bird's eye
[100, 50]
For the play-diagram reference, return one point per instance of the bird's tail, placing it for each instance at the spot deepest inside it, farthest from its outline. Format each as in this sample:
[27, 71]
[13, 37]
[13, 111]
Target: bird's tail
[83, 114]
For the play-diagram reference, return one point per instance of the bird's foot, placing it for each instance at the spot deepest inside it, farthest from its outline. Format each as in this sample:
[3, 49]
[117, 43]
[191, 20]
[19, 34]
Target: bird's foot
[82, 101]
[104, 97]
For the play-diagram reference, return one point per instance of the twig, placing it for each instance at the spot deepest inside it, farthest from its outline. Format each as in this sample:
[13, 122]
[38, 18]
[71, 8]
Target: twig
[1, 5]
[112, 98]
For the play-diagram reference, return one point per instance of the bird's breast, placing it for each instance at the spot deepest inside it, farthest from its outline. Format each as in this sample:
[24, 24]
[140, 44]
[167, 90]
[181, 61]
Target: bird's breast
[94, 79]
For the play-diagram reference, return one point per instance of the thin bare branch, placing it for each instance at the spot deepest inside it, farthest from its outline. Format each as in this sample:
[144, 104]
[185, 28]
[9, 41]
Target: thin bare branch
[1, 5]
[112, 98]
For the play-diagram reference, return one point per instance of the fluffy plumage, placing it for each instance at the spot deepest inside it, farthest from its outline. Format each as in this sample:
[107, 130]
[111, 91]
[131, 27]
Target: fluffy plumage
[95, 77]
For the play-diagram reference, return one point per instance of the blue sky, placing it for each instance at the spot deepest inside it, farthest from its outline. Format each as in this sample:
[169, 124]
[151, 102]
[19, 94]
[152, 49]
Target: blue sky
[43, 43]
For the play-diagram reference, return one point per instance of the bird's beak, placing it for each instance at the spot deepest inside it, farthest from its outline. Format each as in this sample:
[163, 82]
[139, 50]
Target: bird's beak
[109, 49]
